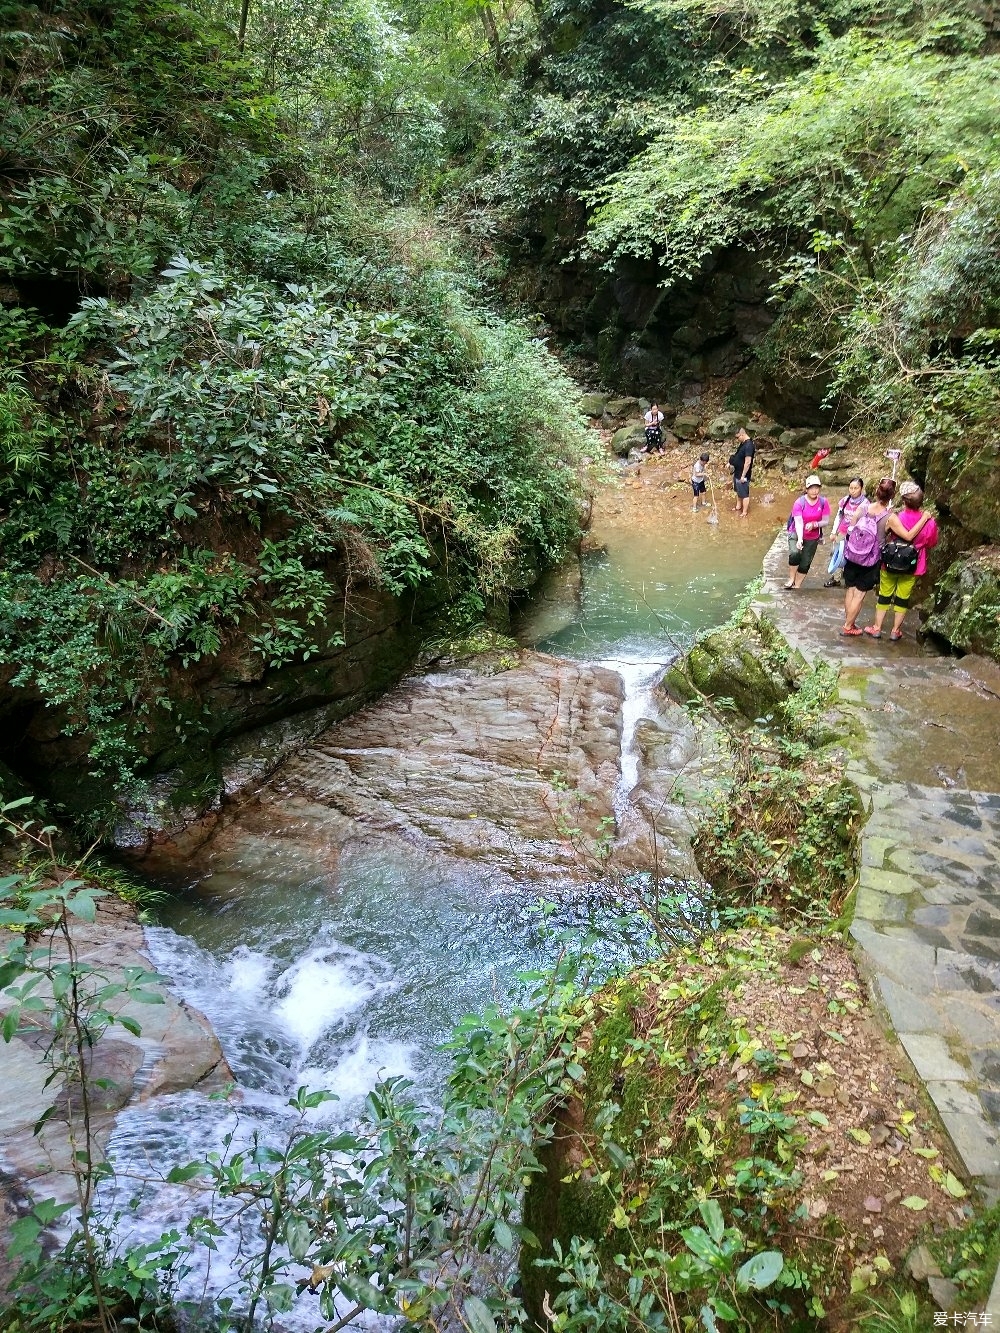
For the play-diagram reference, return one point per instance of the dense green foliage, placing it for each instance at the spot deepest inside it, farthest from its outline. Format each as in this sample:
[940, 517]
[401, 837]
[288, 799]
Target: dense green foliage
[236, 388]
[849, 147]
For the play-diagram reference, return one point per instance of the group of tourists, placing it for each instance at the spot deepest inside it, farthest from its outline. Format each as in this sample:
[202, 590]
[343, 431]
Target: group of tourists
[875, 546]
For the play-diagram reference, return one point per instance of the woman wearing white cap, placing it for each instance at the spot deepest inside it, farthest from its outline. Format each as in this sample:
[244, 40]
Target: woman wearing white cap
[805, 530]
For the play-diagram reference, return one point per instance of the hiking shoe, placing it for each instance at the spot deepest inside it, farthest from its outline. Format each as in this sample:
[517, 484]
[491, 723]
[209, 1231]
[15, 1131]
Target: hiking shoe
[895, 636]
[872, 632]
[850, 630]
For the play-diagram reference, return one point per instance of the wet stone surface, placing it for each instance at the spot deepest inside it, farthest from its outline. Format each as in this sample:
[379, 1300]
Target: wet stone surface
[514, 769]
[925, 731]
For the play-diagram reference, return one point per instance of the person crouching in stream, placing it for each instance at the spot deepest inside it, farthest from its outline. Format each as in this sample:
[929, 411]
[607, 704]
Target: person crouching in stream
[805, 531]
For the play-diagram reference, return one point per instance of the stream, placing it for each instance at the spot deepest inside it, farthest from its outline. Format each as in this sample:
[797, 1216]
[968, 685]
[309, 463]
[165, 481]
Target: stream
[329, 959]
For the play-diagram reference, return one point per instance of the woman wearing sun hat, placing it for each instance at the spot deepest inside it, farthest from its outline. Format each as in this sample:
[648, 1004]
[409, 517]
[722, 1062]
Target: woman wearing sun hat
[805, 530]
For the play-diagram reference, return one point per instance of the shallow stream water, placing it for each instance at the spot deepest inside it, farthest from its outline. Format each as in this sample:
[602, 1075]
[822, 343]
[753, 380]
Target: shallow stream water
[333, 974]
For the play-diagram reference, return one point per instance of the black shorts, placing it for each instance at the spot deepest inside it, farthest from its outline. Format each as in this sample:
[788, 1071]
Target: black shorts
[699, 487]
[801, 560]
[861, 577]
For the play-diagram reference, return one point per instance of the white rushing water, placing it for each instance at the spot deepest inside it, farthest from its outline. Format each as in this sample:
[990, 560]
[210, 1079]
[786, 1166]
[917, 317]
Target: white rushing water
[306, 1023]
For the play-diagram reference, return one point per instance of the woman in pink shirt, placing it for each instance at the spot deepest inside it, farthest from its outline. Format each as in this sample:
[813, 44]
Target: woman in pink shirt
[805, 530]
[913, 531]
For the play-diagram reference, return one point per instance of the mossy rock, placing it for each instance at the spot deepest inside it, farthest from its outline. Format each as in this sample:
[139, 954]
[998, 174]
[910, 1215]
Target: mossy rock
[725, 425]
[686, 425]
[764, 426]
[797, 438]
[967, 603]
[620, 408]
[967, 478]
[746, 661]
[628, 438]
[593, 404]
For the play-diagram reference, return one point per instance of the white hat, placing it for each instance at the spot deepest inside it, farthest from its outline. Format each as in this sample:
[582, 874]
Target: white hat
[813, 481]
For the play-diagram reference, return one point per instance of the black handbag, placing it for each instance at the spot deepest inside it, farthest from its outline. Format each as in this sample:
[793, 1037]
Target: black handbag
[900, 557]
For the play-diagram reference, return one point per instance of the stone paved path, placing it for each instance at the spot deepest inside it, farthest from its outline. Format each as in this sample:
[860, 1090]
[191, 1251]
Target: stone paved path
[926, 729]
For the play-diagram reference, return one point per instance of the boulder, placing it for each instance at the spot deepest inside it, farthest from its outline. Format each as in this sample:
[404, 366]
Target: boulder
[593, 404]
[967, 603]
[746, 661]
[686, 425]
[764, 426]
[789, 465]
[840, 476]
[620, 408]
[797, 438]
[628, 437]
[832, 442]
[725, 424]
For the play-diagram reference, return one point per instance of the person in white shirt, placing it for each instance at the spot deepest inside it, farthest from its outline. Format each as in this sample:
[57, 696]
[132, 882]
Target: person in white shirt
[699, 482]
[654, 430]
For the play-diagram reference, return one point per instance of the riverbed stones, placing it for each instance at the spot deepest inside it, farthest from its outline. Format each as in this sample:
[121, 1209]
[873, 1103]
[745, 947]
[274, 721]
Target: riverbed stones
[832, 441]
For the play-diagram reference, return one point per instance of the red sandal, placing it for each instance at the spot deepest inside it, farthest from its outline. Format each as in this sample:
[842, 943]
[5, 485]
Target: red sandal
[872, 632]
[850, 630]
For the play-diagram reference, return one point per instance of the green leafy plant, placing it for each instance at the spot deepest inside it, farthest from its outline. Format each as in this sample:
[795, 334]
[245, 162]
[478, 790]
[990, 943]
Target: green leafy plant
[51, 994]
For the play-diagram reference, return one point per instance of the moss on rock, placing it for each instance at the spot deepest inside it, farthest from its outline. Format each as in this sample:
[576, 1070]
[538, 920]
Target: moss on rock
[746, 661]
[967, 603]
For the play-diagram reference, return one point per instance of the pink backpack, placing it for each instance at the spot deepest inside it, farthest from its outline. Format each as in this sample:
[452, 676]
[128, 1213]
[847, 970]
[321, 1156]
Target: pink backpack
[862, 546]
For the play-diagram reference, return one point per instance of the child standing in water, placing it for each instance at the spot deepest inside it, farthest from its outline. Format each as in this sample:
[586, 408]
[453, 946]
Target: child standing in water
[846, 510]
[699, 481]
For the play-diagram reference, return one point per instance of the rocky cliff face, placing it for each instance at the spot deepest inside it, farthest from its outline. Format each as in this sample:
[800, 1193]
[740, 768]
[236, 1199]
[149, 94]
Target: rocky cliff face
[227, 712]
[962, 479]
[645, 336]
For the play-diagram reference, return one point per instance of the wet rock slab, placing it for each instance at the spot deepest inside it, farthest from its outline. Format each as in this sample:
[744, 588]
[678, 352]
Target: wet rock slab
[517, 768]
